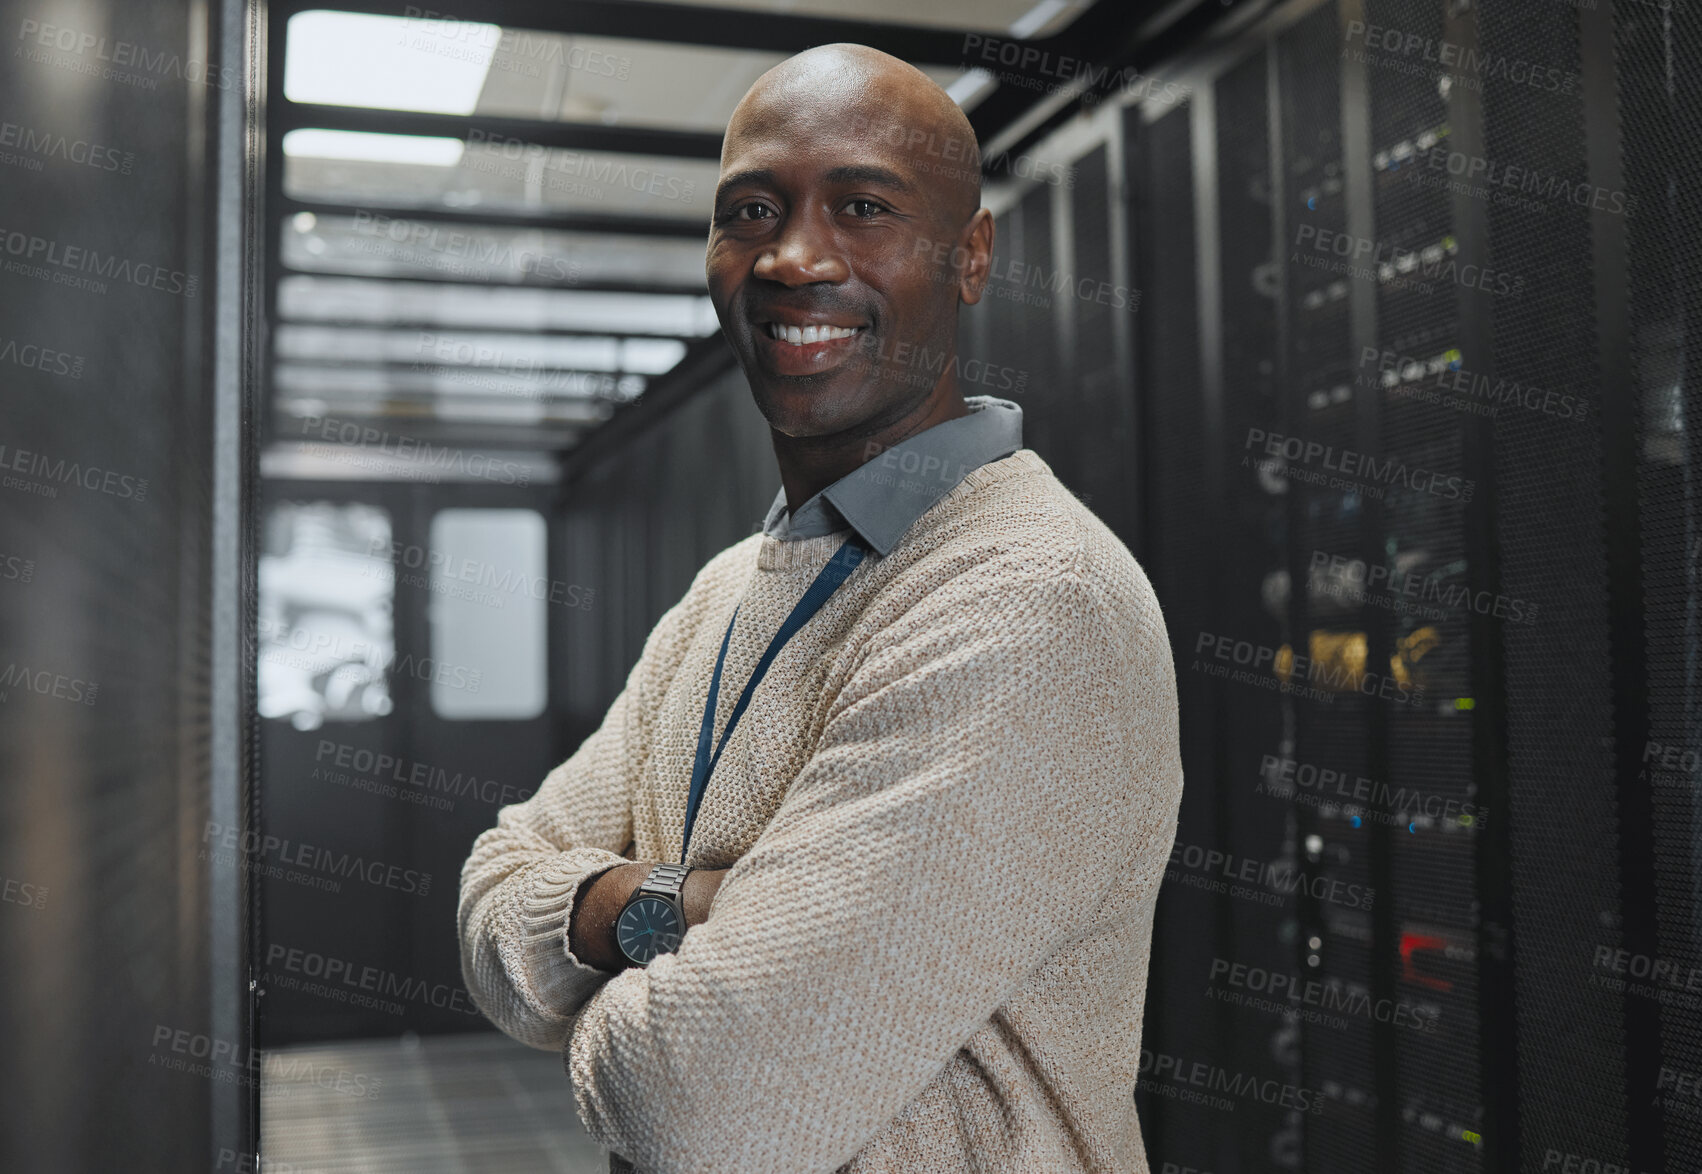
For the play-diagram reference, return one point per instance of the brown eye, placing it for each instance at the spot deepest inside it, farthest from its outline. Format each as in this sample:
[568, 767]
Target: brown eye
[857, 208]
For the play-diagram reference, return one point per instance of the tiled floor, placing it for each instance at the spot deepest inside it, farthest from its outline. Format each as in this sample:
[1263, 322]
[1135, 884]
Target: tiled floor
[464, 1104]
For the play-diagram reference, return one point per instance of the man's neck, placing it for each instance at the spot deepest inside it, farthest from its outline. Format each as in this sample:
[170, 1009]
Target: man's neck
[810, 464]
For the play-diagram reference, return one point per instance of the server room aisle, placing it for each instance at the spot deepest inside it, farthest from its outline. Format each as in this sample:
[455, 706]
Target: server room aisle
[448, 1104]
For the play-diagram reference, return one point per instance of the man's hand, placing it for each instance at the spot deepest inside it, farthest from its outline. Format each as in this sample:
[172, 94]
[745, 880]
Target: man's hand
[590, 932]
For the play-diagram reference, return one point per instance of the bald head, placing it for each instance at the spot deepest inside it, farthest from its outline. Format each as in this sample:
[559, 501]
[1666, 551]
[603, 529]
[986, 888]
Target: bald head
[846, 235]
[872, 95]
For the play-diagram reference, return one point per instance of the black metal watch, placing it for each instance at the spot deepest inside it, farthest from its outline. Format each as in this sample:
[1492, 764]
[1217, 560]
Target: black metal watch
[653, 920]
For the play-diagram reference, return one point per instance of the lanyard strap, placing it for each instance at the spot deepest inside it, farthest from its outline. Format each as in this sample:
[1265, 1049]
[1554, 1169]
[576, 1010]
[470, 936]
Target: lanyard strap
[827, 581]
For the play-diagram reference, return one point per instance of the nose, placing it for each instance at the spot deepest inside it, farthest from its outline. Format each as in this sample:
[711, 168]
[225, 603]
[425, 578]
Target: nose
[802, 251]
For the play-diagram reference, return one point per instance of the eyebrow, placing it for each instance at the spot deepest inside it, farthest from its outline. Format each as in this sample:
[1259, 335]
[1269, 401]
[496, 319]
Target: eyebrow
[849, 173]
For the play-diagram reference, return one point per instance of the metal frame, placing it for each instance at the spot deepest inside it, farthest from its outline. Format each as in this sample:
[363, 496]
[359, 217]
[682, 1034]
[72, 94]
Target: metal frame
[1359, 203]
[685, 24]
[234, 323]
[596, 286]
[1623, 547]
[1208, 278]
[1498, 1020]
[1292, 406]
[567, 136]
[619, 223]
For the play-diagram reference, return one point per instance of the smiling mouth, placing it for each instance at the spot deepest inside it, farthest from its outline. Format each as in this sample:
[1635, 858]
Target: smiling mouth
[806, 335]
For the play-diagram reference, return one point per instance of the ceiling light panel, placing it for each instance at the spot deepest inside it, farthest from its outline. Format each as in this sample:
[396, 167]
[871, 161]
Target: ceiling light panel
[388, 63]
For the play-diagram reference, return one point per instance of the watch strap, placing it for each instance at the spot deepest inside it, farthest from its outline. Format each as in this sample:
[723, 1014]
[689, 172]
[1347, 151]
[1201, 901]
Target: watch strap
[664, 880]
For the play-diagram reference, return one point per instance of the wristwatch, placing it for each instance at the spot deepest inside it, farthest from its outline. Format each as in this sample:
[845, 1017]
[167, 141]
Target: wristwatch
[653, 920]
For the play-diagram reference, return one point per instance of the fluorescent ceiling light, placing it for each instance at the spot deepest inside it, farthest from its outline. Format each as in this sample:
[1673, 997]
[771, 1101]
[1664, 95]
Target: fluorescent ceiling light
[346, 300]
[651, 356]
[969, 86]
[483, 350]
[373, 148]
[1037, 18]
[387, 62]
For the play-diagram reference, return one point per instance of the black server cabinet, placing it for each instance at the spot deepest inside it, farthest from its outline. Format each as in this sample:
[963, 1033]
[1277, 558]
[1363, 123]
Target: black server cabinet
[1657, 452]
[1417, 298]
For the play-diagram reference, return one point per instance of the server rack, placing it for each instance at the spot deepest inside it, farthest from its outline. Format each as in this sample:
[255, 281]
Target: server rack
[1512, 313]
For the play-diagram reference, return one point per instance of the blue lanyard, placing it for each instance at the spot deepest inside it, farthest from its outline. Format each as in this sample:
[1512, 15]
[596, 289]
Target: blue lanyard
[837, 570]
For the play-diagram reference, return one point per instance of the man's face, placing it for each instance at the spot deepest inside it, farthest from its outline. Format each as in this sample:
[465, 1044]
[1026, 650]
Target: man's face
[828, 223]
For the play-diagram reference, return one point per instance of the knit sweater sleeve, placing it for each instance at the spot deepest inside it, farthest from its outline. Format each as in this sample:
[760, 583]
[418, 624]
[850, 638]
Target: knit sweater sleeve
[1001, 755]
[519, 883]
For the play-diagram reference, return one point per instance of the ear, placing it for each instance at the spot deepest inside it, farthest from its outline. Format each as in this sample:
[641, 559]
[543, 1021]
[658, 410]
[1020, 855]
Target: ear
[976, 247]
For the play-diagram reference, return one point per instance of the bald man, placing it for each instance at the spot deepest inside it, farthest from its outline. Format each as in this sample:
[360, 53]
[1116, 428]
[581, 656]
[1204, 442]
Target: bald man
[858, 873]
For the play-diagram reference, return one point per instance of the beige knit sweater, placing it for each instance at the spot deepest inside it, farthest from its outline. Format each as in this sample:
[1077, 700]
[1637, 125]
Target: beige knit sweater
[947, 811]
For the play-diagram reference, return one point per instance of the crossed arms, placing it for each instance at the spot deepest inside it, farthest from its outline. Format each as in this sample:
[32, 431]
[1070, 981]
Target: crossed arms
[979, 785]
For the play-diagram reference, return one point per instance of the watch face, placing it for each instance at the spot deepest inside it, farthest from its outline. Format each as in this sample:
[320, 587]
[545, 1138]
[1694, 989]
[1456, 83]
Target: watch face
[648, 927]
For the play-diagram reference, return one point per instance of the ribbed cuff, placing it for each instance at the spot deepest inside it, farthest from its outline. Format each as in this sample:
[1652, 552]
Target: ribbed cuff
[560, 980]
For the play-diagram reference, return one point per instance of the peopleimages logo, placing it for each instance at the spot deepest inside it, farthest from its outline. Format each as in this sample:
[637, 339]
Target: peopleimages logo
[1278, 879]
[73, 473]
[476, 573]
[426, 459]
[51, 257]
[1290, 991]
[1565, 1163]
[947, 154]
[1026, 65]
[445, 247]
[1343, 570]
[46, 683]
[370, 764]
[505, 48]
[227, 1062]
[17, 892]
[1361, 466]
[603, 171]
[47, 145]
[1526, 181]
[1351, 787]
[1396, 266]
[1338, 674]
[16, 568]
[96, 55]
[1444, 372]
[1672, 756]
[40, 358]
[1468, 65]
[248, 1162]
[318, 860]
[1162, 1066]
[918, 365]
[1011, 279]
[345, 981]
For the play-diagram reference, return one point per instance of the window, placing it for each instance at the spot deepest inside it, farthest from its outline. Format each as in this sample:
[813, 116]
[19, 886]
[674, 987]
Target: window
[489, 593]
[326, 590]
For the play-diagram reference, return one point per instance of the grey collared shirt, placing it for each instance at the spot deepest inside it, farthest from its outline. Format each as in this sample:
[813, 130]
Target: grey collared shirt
[883, 497]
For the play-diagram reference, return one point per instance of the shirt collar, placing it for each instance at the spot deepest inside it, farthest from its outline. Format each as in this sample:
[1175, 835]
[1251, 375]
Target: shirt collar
[882, 498]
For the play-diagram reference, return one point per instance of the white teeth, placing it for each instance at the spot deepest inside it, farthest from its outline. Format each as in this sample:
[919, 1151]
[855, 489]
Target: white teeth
[804, 335]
